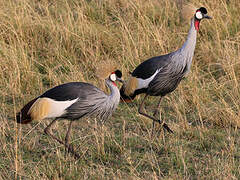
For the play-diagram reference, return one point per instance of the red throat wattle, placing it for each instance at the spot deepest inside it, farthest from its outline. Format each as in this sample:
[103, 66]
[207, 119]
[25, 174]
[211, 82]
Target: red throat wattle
[197, 24]
[114, 83]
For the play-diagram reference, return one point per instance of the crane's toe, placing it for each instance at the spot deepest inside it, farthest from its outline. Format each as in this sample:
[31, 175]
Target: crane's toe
[165, 126]
[156, 113]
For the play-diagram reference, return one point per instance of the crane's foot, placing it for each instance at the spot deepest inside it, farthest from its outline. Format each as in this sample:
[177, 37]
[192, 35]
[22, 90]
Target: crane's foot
[156, 113]
[165, 126]
[161, 124]
[70, 149]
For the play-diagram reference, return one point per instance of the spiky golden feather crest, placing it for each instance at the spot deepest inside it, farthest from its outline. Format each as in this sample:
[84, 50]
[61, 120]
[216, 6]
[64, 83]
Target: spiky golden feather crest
[187, 11]
[105, 68]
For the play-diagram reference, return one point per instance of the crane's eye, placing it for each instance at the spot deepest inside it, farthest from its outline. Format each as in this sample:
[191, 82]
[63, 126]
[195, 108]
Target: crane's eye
[199, 15]
[113, 77]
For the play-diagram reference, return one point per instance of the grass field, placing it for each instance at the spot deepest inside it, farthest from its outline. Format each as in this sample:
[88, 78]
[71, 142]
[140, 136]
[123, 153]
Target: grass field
[45, 43]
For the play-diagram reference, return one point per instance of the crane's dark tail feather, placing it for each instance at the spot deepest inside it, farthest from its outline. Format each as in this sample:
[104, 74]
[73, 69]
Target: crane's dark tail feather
[23, 117]
[21, 120]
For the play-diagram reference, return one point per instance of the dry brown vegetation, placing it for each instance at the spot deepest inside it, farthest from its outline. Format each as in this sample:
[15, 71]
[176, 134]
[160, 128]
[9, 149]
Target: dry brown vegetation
[45, 43]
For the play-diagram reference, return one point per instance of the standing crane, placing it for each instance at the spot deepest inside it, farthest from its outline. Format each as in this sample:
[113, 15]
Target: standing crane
[161, 75]
[72, 101]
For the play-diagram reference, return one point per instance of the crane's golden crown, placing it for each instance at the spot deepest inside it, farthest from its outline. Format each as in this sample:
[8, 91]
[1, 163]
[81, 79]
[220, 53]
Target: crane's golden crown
[105, 68]
[187, 11]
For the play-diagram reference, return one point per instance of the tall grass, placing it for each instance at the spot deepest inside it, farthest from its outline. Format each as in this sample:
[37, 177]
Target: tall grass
[46, 43]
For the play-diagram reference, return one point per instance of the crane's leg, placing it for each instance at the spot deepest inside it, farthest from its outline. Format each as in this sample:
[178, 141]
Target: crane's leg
[156, 112]
[47, 131]
[69, 148]
[158, 107]
[140, 110]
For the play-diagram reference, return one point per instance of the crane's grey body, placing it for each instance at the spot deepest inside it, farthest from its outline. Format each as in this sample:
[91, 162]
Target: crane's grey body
[91, 101]
[171, 67]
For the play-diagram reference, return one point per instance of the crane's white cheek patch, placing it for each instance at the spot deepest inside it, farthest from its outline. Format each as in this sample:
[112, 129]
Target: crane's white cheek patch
[48, 108]
[199, 15]
[113, 77]
[143, 83]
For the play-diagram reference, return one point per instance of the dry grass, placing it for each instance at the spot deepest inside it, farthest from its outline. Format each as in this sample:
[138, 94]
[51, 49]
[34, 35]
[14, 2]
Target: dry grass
[46, 43]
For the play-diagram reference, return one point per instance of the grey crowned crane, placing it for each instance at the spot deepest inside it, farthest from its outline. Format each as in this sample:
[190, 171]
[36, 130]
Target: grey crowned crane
[161, 75]
[72, 101]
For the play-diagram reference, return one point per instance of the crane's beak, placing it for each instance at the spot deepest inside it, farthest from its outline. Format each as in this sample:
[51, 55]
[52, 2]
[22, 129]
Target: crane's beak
[120, 80]
[207, 17]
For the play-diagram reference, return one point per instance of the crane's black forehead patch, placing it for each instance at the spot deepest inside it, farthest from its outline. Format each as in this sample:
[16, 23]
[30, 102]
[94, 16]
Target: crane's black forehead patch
[203, 10]
[118, 73]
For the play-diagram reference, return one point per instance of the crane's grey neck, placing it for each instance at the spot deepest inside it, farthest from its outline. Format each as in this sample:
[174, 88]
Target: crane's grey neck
[190, 43]
[114, 91]
[182, 58]
[114, 97]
